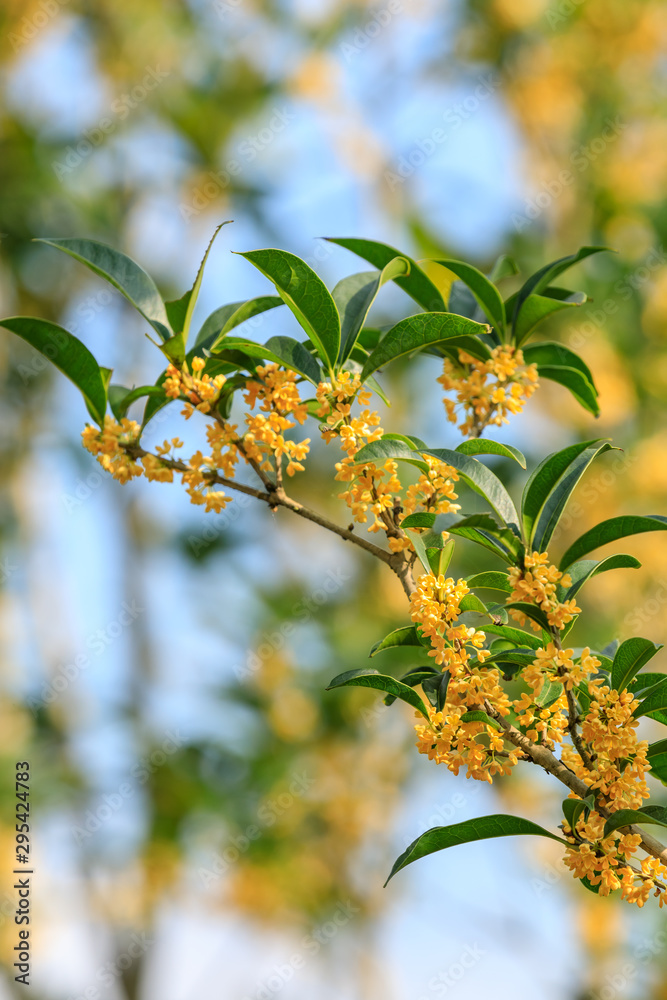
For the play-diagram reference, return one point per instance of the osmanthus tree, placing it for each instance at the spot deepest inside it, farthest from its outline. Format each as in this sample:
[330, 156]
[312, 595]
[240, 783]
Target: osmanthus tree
[506, 690]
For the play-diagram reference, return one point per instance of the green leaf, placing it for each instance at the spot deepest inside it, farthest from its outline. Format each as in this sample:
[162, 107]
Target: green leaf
[504, 267]
[482, 446]
[279, 350]
[628, 817]
[180, 311]
[549, 488]
[68, 354]
[657, 758]
[484, 291]
[533, 612]
[515, 635]
[643, 683]
[541, 280]
[415, 677]
[415, 333]
[552, 354]
[470, 602]
[574, 808]
[656, 701]
[225, 318]
[584, 570]
[354, 297]
[537, 308]
[306, 295]
[406, 636]
[479, 716]
[490, 580]
[480, 479]
[124, 274]
[381, 682]
[549, 694]
[579, 386]
[417, 284]
[631, 656]
[610, 531]
[483, 530]
[121, 398]
[481, 828]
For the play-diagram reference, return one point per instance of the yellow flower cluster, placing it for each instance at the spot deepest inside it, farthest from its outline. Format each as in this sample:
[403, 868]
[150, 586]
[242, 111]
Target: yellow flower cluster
[487, 391]
[446, 739]
[201, 392]
[276, 391]
[109, 446]
[616, 771]
[372, 488]
[536, 584]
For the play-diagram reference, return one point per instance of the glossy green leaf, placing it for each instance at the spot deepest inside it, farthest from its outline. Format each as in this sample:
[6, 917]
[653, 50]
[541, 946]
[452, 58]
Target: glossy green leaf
[541, 280]
[306, 295]
[656, 815]
[504, 267]
[470, 602]
[482, 446]
[573, 809]
[610, 531]
[531, 611]
[478, 716]
[121, 398]
[482, 828]
[226, 318]
[631, 656]
[579, 386]
[68, 354]
[124, 274]
[417, 284]
[381, 682]
[406, 636]
[537, 308]
[180, 311]
[415, 333]
[552, 354]
[586, 569]
[354, 297]
[416, 677]
[490, 580]
[280, 351]
[655, 701]
[480, 479]
[550, 693]
[485, 292]
[515, 635]
[657, 758]
[549, 488]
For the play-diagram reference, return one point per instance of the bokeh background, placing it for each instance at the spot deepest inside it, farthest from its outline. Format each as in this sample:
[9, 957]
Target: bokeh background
[209, 823]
